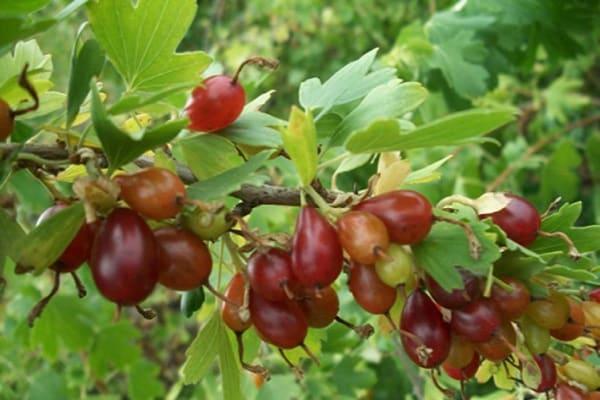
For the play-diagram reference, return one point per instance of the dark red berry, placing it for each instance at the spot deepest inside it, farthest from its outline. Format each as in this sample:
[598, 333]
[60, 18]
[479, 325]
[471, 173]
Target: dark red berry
[317, 254]
[462, 374]
[7, 121]
[270, 274]
[511, 304]
[566, 392]
[216, 104]
[458, 297]
[519, 220]
[406, 214]
[548, 372]
[477, 321]
[594, 295]
[320, 307]
[125, 258]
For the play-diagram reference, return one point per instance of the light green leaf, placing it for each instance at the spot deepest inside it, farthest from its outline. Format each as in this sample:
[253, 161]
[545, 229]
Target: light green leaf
[162, 160]
[114, 348]
[202, 352]
[11, 64]
[140, 41]
[426, 174]
[133, 101]
[228, 363]
[454, 129]
[122, 148]
[300, 142]
[11, 238]
[22, 6]
[143, 381]
[209, 155]
[229, 181]
[390, 100]
[47, 241]
[254, 128]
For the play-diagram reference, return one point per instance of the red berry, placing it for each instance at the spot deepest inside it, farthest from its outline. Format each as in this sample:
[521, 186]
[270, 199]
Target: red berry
[566, 392]
[477, 321]
[270, 272]
[153, 192]
[462, 374]
[185, 262]
[514, 303]
[548, 372]
[282, 324]
[575, 324]
[461, 352]
[78, 251]
[369, 291]
[7, 121]
[496, 349]
[362, 235]
[458, 297]
[320, 308]
[216, 104]
[426, 336]
[229, 312]
[317, 254]
[519, 220]
[406, 214]
[125, 258]
[594, 295]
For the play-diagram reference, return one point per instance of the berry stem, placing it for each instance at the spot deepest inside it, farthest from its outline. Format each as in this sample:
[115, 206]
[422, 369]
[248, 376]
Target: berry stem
[256, 60]
[489, 281]
[234, 254]
[449, 393]
[329, 211]
[310, 353]
[297, 371]
[505, 286]
[81, 292]
[364, 331]
[28, 87]
[552, 207]
[474, 244]
[457, 198]
[145, 313]
[257, 369]
[573, 252]
[37, 310]
[219, 295]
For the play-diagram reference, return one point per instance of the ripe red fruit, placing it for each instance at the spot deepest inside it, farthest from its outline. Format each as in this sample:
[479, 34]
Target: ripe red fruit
[270, 273]
[320, 310]
[458, 297]
[78, 251]
[425, 334]
[153, 192]
[369, 291]
[594, 295]
[185, 262]
[496, 349]
[7, 121]
[519, 220]
[551, 312]
[548, 370]
[216, 104]
[511, 304]
[462, 374]
[477, 321]
[575, 324]
[229, 312]
[461, 352]
[317, 254]
[566, 392]
[406, 214]
[282, 324]
[362, 235]
[125, 258]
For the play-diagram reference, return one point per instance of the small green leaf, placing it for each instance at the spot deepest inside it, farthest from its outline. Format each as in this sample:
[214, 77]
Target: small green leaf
[387, 135]
[47, 241]
[300, 142]
[143, 381]
[254, 128]
[114, 348]
[209, 155]
[162, 160]
[12, 237]
[86, 63]
[228, 363]
[202, 352]
[122, 148]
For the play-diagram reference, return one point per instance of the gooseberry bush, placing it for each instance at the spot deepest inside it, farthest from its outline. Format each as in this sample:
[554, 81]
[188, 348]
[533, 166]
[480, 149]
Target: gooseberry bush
[157, 183]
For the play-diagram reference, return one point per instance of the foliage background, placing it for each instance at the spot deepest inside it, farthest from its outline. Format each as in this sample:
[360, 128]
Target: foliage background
[540, 56]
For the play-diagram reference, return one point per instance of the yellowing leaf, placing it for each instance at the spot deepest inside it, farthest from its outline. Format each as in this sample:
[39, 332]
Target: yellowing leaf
[392, 177]
[71, 173]
[134, 124]
[300, 142]
[488, 203]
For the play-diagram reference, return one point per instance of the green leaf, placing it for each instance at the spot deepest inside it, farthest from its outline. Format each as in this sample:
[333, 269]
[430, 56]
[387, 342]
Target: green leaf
[433, 255]
[202, 352]
[143, 381]
[228, 182]
[577, 274]
[40, 70]
[560, 176]
[592, 152]
[387, 135]
[300, 142]
[163, 160]
[133, 101]
[564, 218]
[426, 174]
[12, 237]
[254, 128]
[141, 40]
[191, 301]
[114, 348]
[228, 363]
[209, 155]
[22, 6]
[86, 63]
[47, 385]
[390, 100]
[122, 148]
[47, 241]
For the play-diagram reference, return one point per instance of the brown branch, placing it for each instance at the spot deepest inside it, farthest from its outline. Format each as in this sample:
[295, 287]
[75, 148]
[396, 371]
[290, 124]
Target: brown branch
[537, 146]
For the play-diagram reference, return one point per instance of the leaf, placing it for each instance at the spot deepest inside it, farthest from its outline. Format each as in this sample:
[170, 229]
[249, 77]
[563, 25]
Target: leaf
[86, 63]
[300, 142]
[202, 352]
[114, 348]
[576, 274]
[132, 101]
[122, 148]
[428, 173]
[350, 163]
[433, 254]
[22, 6]
[228, 363]
[387, 135]
[191, 301]
[392, 177]
[47, 385]
[560, 176]
[163, 160]
[209, 155]
[11, 238]
[143, 381]
[140, 41]
[47, 241]
[254, 128]
[390, 100]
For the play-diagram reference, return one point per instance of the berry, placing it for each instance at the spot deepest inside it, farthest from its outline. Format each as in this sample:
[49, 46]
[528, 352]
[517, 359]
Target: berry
[317, 254]
[153, 192]
[461, 352]
[511, 304]
[124, 259]
[457, 298]
[320, 309]
[548, 372]
[594, 295]
[406, 214]
[477, 321]
[7, 121]
[363, 236]
[216, 104]
[575, 324]
[537, 339]
[270, 273]
[496, 349]
[591, 311]
[369, 291]
[566, 392]
[464, 373]
[229, 312]
[78, 250]
[549, 313]
[282, 324]
[185, 262]
[519, 220]
[396, 268]
[425, 334]
[206, 225]
[582, 372]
